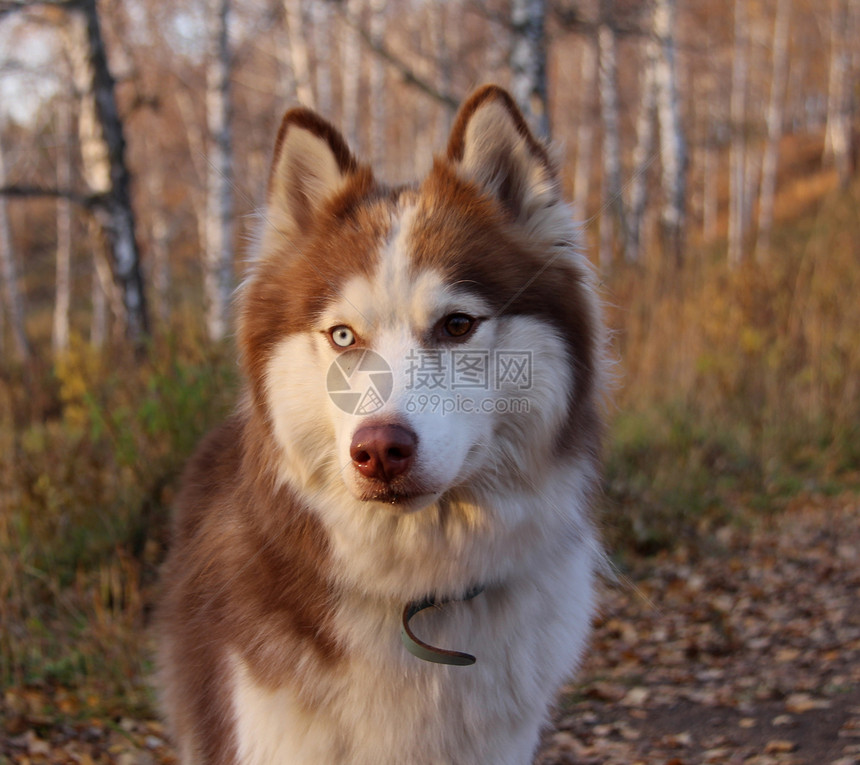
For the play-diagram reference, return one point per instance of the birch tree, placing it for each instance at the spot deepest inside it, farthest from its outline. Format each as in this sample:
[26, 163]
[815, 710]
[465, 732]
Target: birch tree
[644, 149]
[12, 296]
[837, 146]
[351, 68]
[737, 151]
[775, 107]
[218, 276]
[63, 285]
[299, 57]
[528, 62]
[585, 128]
[102, 137]
[673, 145]
[613, 202]
[377, 86]
[321, 21]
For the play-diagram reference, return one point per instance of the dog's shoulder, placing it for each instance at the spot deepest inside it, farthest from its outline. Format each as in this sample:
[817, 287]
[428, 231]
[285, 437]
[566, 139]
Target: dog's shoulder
[211, 476]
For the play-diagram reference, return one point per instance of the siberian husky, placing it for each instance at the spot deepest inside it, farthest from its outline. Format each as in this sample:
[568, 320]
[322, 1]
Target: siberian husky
[387, 556]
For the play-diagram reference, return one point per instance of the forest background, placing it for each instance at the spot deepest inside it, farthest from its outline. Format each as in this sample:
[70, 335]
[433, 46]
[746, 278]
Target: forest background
[709, 147]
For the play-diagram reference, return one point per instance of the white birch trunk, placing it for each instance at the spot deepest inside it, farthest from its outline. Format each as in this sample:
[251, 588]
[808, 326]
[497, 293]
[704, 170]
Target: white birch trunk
[13, 298]
[159, 231]
[321, 19]
[775, 107]
[613, 203]
[378, 141]
[351, 63]
[585, 129]
[528, 62]
[99, 296]
[63, 285]
[197, 154]
[103, 153]
[643, 151]
[299, 58]
[837, 144]
[710, 199]
[737, 152]
[445, 22]
[673, 144]
[218, 275]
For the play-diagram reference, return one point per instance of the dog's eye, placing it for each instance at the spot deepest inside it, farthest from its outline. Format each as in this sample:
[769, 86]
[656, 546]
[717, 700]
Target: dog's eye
[457, 325]
[342, 336]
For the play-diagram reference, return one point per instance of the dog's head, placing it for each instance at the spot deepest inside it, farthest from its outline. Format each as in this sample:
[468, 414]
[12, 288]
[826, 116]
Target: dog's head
[402, 344]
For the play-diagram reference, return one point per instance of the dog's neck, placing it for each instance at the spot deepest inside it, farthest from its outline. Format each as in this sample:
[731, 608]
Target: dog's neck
[425, 651]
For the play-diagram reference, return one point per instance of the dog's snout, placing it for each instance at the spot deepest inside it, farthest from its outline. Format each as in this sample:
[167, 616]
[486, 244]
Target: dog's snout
[383, 452]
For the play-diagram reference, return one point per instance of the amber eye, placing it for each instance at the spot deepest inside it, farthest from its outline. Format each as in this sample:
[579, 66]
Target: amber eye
[342, 336]
[458, 325]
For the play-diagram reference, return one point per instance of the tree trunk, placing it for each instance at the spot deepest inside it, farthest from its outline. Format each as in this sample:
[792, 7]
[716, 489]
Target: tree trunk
[528, 62]
[63, 286]
[585, 129]
[613, 202]
[378, 140]
[837, 147]
[775, 108]
[737, 152]
[297, 35]
[351, 63]
[710, 189]
[9, 273]
[673, 144]
[105, 150]
[99, 296]
[643, 152]
[218, 277]
[322, 21]
[160, 233]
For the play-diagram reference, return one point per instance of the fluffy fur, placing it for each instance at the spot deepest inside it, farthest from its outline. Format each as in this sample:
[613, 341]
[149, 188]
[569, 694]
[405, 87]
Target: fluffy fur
[292, 561]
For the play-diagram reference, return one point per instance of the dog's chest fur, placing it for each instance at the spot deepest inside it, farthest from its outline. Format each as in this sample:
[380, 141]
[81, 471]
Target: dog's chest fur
[379, 705]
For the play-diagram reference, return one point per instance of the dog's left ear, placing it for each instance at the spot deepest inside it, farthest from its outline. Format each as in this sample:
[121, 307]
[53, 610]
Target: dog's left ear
[491, 145]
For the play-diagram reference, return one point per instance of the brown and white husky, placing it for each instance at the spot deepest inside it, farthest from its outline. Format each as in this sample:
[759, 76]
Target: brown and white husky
[409, 474]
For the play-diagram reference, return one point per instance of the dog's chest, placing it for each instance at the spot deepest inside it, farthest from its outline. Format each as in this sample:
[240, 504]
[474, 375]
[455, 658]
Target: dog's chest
[382, 706]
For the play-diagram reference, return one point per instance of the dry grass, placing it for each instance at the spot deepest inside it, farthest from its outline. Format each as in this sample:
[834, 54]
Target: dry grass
[740, 381]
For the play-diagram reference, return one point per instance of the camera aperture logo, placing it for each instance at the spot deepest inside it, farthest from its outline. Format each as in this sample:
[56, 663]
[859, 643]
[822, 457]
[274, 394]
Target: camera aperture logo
[359, 381]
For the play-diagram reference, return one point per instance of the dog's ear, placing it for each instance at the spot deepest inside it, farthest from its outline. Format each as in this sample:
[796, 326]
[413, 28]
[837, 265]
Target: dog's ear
[312, 164]
[491, 145]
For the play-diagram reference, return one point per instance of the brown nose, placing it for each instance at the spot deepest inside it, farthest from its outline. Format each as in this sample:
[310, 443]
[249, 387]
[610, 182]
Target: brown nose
[383, 452]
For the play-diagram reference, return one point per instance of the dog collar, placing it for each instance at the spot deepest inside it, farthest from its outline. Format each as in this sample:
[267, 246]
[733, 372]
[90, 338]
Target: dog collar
[425, 651]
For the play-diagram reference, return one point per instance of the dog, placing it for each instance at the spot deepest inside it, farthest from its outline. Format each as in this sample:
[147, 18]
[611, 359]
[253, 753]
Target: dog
[388, 553]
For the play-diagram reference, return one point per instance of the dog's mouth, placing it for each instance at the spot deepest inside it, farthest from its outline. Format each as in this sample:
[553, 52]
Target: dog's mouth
[404, 494]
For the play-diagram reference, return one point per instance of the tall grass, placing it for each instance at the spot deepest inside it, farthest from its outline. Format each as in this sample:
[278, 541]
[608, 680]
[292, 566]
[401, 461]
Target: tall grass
[739, 385]
[86, 477]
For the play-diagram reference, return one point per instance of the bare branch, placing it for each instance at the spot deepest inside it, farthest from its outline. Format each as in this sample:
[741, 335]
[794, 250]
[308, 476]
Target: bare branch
[383, 51]
[20, 191]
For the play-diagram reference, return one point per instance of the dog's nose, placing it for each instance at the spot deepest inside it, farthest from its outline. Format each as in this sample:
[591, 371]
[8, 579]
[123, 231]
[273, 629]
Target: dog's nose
[383, 452]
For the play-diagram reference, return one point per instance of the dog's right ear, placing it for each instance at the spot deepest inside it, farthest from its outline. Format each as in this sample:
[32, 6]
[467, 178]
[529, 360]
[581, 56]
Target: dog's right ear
[312, 164]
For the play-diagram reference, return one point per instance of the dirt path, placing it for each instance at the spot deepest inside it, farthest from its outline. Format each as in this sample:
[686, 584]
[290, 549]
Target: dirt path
[749, 653]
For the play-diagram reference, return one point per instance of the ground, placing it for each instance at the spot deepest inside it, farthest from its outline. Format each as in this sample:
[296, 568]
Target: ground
[742, 648]
[746, 651]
